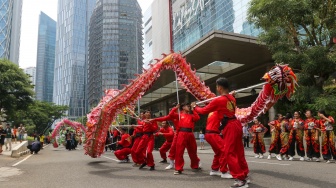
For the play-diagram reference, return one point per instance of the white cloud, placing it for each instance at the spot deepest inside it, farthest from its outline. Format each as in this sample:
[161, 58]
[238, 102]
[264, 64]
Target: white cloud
[29, 27]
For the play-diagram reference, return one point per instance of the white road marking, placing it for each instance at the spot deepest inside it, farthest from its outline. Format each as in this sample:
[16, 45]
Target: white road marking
[6, 172]
[22, 160]
[111, 158]
[281, 164]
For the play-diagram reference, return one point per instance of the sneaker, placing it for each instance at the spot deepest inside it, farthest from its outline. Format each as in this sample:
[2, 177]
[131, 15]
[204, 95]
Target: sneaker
[215, 173]
[123, 161]
[226, 175]
[248, 179]
[261, 156]
[279, 157]
[291, 158]
[240, 183]
[163, 161]
[169, 167]
[256, 156]
[328, 162]
[317, 160]
[269, 157]
[199, 165]
[177, 172]
[152, 168]
[143, 165]
[302, 158]
[285, 158]
[309, 159]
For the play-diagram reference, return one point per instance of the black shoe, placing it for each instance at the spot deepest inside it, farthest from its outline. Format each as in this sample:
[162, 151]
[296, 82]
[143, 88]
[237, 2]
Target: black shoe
[143, 165]
[152, 168]
[163, 161]
[31, 152]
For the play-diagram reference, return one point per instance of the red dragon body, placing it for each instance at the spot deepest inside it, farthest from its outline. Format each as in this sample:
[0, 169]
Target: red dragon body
[281, 81]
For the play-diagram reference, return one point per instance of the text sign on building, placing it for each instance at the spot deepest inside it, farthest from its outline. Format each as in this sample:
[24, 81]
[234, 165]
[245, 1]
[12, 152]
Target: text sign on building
[188, 10]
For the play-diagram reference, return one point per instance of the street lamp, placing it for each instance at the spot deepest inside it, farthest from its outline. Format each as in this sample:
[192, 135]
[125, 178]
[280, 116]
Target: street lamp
[137, 53]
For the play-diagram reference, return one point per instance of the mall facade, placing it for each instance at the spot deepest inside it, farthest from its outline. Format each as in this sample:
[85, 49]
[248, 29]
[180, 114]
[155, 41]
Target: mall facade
[215, 38]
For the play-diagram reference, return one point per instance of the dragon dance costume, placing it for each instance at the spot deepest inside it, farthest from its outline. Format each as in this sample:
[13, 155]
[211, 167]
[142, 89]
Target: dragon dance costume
[275, 139]
[328, 138]
[311, 127]
[296, 138]
[258, 131]
[284, 136]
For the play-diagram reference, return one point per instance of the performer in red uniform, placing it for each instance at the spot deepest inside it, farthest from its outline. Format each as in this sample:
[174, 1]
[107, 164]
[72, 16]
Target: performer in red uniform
[147, 142]
[296, 137]
[275, 139]
[258, 131]
[174, 117]
[216, 113]
[232, 133]
[312, 128]
[125, 143]
[328, 140]
[168, 133]
[186, 139]
[137, 134]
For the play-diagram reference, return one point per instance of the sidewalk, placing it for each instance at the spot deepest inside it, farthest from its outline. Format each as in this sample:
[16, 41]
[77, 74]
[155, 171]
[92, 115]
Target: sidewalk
[7, 152]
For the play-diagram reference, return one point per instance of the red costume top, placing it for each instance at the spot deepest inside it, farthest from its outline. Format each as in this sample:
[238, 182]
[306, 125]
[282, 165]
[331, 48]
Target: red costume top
[115, 133]
[150, 127]
[322, 123]
[275, 125]
[138, 129]
[284, 125]
[188, 120]
[260, 128]
[311, 123]
[167, 132]
[293, 124]
[216, 109]
[125, 140]
[172, 116]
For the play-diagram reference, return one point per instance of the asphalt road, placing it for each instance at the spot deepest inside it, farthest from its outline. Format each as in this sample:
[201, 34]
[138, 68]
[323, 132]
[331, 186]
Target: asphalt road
[60, 168]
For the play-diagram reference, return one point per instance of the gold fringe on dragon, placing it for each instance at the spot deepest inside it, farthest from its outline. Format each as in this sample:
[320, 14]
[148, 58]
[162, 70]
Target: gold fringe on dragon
[280, 81]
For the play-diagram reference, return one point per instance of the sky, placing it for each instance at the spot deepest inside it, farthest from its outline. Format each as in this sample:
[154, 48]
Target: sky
[29, 26]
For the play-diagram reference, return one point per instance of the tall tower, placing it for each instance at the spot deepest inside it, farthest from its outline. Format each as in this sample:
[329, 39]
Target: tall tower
[10, 29]
[71, 55]
[45, 60]
[115, 46]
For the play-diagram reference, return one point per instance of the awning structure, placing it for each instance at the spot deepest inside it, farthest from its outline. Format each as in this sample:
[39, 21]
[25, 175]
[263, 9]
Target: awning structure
[205, 73]
[240, 58]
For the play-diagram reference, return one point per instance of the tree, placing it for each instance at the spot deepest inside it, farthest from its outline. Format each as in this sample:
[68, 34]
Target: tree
[39, 115]
[16, 90]
[300, 33]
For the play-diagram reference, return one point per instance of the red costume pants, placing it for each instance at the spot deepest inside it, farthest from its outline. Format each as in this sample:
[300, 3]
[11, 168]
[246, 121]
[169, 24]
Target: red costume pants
[217, 145]
[146, 142]
[164, 148]
[172, 150]
[186, 140]
[133, 150]
[122, 153]
[234, 150]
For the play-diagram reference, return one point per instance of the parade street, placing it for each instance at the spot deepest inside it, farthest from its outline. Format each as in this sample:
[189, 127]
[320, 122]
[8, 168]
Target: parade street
[57, 167]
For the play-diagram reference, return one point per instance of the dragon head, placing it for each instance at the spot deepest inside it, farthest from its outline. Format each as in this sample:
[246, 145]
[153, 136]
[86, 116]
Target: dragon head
[282, 79]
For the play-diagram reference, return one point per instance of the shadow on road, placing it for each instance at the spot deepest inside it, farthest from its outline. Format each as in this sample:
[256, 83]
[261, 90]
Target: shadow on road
[293, 178]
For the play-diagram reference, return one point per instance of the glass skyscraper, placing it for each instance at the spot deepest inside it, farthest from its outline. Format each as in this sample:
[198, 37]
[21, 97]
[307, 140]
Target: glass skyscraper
[71, 55]
[45, 60]
[194, 19]
[10, 29]
[115, 46]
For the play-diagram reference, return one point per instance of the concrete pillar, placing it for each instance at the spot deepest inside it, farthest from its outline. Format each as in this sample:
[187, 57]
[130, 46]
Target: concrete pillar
[271, 114]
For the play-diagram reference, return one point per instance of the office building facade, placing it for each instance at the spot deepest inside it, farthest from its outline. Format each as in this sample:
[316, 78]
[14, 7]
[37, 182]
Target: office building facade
[115, 46]
[10, 29]
[31, 71]
[45, 60]
[71, 55]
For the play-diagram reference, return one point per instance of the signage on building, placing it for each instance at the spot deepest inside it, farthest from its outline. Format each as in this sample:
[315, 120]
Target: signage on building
[188, 10]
